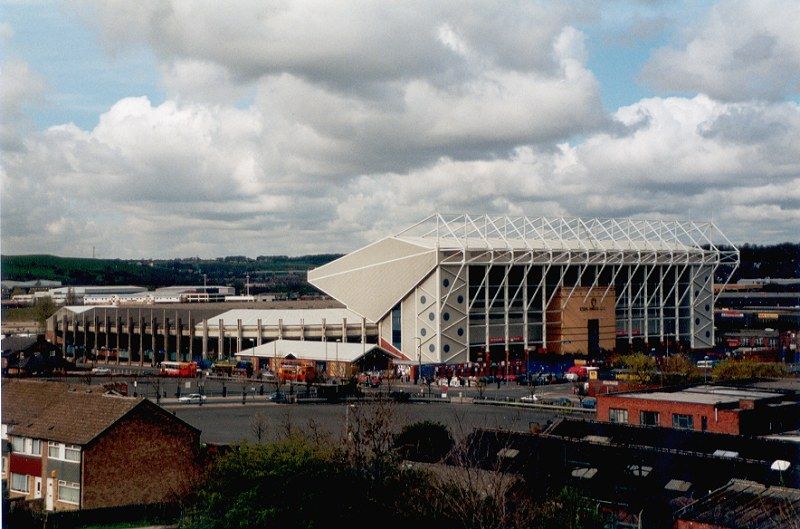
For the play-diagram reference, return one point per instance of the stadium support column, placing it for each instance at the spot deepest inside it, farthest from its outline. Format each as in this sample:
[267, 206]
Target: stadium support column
[544, 308]
[302, 329]
[205, 340]
[646, 310]
[628, 293]
[677, 303]
[220, 338]
[661, 304]
[363, 330]
[505, 318]
[344, 331]
[153, 331]
[487, 359]
[259, 330]
[239, 336]
[280, 328]
[106, 333]
[74, 332]
[324, 331]
[118, 328]
[178, 332]
[64, 333]
[165, 334]
[191, 337]
[129, 332]
[141, 339]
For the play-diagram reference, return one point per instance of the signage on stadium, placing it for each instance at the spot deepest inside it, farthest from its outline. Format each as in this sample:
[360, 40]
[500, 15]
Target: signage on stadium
[592, 306]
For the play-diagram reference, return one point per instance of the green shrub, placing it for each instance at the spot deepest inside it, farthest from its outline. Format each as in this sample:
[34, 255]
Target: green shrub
[424, 441]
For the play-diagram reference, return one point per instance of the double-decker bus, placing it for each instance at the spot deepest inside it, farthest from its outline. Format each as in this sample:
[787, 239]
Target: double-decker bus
[178, 369]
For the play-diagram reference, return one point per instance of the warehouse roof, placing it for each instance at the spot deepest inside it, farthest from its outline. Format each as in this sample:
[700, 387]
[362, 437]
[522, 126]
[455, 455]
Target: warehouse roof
[309, 350]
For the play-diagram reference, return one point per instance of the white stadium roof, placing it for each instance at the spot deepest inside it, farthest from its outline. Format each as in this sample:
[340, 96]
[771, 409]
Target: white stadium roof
[270, 317]
[397, 263]
[449, 231]
[311, 350]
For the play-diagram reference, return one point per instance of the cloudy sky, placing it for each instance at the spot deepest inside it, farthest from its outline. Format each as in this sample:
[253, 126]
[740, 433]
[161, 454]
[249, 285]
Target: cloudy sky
[177, 128]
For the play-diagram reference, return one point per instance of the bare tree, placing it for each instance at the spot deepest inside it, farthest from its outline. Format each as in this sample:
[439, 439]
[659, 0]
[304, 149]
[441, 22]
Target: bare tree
[258, 425]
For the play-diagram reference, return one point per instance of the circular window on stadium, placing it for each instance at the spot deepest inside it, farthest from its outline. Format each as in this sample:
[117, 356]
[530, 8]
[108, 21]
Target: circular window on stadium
[431, 316]
[446, 282]
[460, 299]
[423, 300]
[446, 316]
[460, 331]
[431, 348]
[697, 321]
[708, 334]
[423, 332]
[708, 307]
[446, 348]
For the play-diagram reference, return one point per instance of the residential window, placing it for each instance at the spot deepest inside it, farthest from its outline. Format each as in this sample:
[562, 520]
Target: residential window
[54, 450]
[69, 492]
[18, 444]
[617, 415]
[4, 431]
[72, 453]
[683, 422]
[648, 418]
[19, 483]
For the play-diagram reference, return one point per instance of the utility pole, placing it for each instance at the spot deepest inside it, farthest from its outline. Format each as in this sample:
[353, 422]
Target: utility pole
[204, 280]
[247, 284]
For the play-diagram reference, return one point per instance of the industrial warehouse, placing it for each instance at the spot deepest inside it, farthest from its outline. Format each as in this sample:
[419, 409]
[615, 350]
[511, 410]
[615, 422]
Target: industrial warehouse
[459, 289]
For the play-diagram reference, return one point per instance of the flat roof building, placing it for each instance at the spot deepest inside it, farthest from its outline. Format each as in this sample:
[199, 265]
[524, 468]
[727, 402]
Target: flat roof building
[462, 288]
[731, 410]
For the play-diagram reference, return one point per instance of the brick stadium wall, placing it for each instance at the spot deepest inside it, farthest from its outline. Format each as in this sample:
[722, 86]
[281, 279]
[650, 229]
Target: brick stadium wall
[147, 457]
[726, 421]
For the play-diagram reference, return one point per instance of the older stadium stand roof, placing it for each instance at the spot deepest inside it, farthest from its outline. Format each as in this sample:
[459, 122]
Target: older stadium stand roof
[271, 317]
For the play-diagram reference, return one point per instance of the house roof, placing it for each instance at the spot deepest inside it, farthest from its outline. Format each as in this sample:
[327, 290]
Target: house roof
[17, 343]
[60, 412]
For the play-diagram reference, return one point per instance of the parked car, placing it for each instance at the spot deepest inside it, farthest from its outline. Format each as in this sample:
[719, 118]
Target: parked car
[101, 371]
[530, 398]
[278, 396]
[192, 398]
[589, 403]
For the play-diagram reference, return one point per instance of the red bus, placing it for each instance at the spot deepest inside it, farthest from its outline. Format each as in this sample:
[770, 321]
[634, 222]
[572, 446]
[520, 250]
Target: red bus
[178, 369]
[296, 371]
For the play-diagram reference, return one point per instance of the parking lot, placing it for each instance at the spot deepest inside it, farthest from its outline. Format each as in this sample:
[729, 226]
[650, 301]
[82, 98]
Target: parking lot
[233, 422]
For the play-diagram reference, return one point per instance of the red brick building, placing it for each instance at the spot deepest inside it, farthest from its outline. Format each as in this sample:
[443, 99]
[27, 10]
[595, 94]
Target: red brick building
[81, 448]
[731, 410]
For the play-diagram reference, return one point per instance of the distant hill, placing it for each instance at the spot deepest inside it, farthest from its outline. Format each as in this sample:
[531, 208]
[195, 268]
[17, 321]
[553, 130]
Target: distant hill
[267, 273]
[279, 273]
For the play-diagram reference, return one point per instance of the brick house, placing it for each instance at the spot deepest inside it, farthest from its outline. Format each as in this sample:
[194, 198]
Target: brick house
[83, 448]
[731, 410]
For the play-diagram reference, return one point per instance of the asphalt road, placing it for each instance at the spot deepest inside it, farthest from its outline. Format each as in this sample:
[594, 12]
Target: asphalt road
[233, 422]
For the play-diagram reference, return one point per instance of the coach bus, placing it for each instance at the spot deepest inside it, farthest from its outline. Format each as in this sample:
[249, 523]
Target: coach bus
[178, 369]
